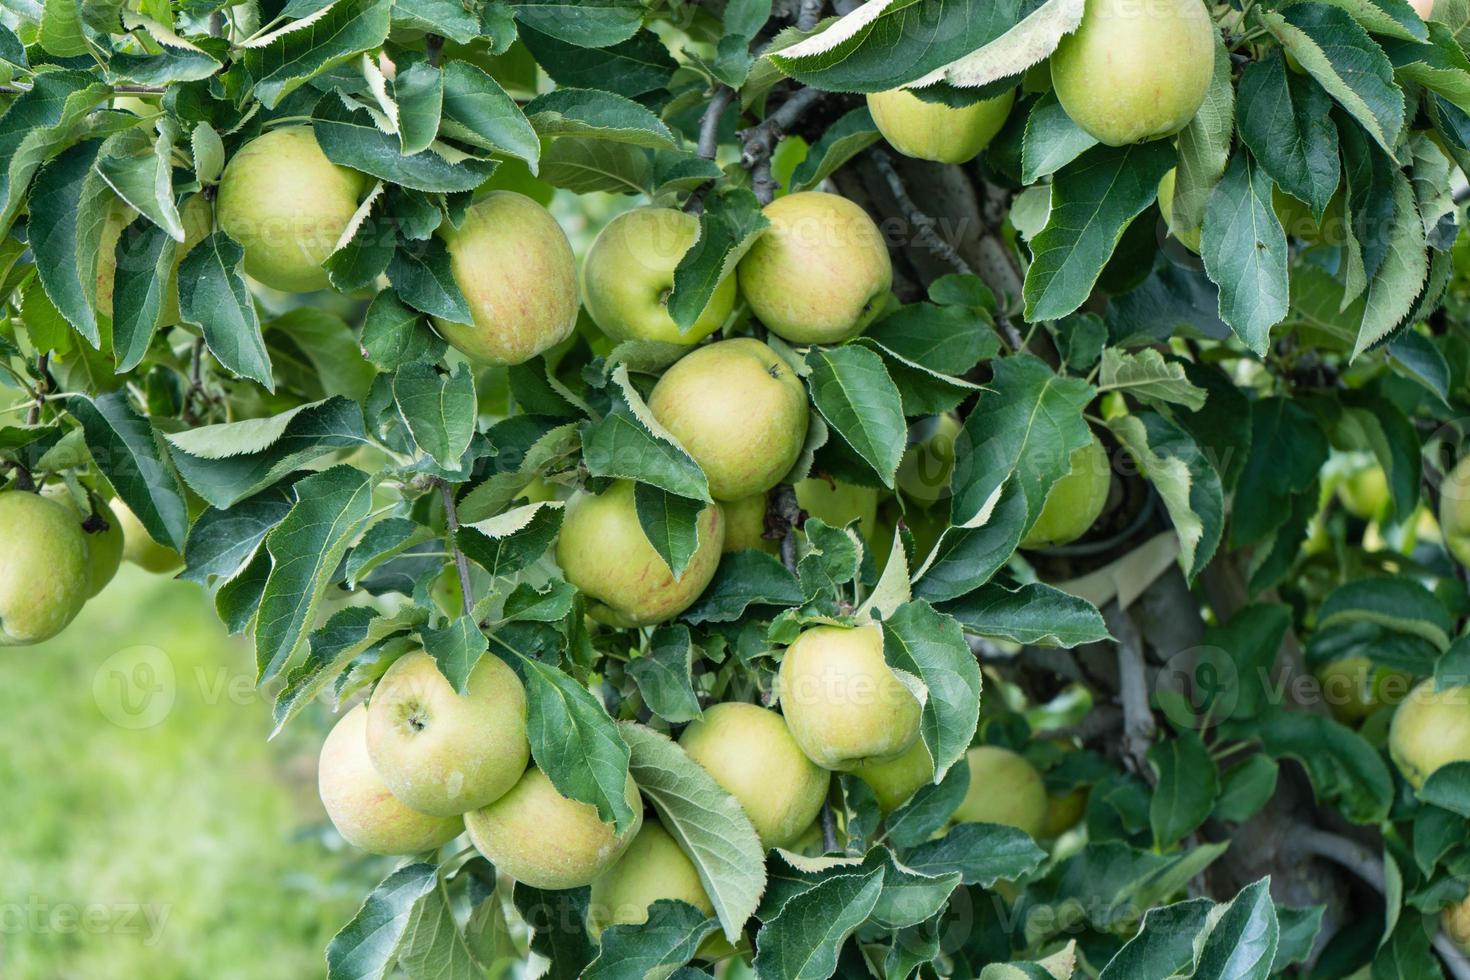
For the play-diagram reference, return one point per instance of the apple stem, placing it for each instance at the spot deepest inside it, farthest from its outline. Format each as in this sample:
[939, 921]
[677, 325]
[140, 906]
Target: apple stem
[461, 563]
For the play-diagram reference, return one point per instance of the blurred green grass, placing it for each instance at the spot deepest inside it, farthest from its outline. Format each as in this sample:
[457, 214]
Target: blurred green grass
[188, 847]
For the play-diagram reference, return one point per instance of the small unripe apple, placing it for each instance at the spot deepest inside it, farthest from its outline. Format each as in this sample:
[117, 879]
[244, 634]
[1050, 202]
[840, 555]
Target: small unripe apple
[443, 752]
[934, 131]
[1365, 494]
[750, 752]
[287, 205]
[838, 504]
[629, 273]
[1135, 69]
[844, 705]
[360, 805]
[1454, 511]
[1430, 729]
[745, 525]
[44, 570]
[893, 781]
[1455, 921]
[1063, 812]
[739, 410]
[1354, 687]
[139, 546]
[653, 867]
[537, 836]
[514, 265]
[603, 551]
[1004, 789]
[1190, 238]
[1075, 501]
[104, 547]
[928, 464]
[821, 273]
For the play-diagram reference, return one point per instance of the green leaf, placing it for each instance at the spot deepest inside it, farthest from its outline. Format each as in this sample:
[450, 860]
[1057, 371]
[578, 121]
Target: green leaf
[1147, 376]
[1204, 145]
[928, 810]
[670, 523]
[394, 335]
[1287, 449]
[222, 542]
[214, 297]
[585, 166]
[1191, 490]
[1345, 61]
[1342, 766]
[1188, 784]
[852, 133]
[728, 227]
[350, 138]
[983, 853]
[368, 945]
[664, 675]
[574, 741]
[629, 444]
[585, 23]
[1051, 141]
[331, 648]
[1400, 604]
[1093, 200]
[145, 283]
[432, 943]
[456, 649]
[632, 68]
[1165, 945]
[1448, 787]
[1245, 789]
[292, 58]
[803, 941]
[1034, 614]
[513, 541]
[305, 548]
[1242, 944]
[1400, 277]
[597, 115]
[439, 409]
[930, 646]
[479, 112]
[38, 124]
[65, 227]
[127, 450]
[706, 821]
[423, 278]
[654, 948]
[1286, 120]
[61, 29]
[1440, 65]
[419, 91]
[1244, 249]
[558, 920]
[141, 171]
[744, 579]
[857, 397]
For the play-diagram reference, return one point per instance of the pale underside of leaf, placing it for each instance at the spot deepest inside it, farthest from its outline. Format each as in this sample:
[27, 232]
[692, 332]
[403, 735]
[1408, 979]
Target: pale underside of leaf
[844, 29]
[1031, 41]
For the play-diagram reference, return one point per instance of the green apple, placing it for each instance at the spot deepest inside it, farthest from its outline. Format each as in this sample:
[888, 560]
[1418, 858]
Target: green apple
[653, 867]
[515, 267]
[1454, 511]
[603, 551]
[1075, 501]
[543, 839]
[844, 705]
[197, 215]
[750, 752]
[139, 546]
[1365, 494]
[1354, 687]
[1063, 812]
[739, 410]
[442, 752]
[287, 205]
[1004, 789]
[1190, 238]
[44, 568]
[934, 131]
[629, 273]
[1430, 729]
[1455, 919]
[745, 525]
[1135, 69]
[360, 805]
[893, 781]
[928, 463]
[104, 546]
[839, 504]
[820, 273]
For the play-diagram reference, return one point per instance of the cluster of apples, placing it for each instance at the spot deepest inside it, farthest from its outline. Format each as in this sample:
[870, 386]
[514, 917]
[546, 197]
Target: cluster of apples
[59, 553]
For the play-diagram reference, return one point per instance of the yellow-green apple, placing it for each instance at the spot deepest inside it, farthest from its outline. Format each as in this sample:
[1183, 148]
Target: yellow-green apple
[1430, 729]
[1354, 687]
[1190, 238]
[1454, 511]
[739, 410]
[360, 805]
[928, 464]
[844, 705]
[653, 867]
[1135, 69]
[750, 752]
[514, 265]
[44, 568]
[104, 545]
[893, 781]
[1365, 493]
[287, 205]
[1004, 789]
[1063, 812]
[603, 551]
[443, 752]
[839, 504]
[935, 131]
[537, 836]
[1455, 921]
[745, 525]
[139, 546]
[820, 273]
[1075, 501]
[629, 273]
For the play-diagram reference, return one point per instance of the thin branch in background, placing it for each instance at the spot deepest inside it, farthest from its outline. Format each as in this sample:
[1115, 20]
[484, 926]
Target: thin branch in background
[829, 828]
[43, 385]
[709, 125]
[922, 223]
[759, 141]
[782, 521]
[811, 14]
[461, 563]
[1138, 720]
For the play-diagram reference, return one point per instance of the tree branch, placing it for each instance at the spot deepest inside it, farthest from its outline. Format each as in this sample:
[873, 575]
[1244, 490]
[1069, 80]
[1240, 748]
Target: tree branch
[811, 14]
[922, 223]
[461, 563]
[1138, 719]
[759, 141]
[783, 518]
[709, 124]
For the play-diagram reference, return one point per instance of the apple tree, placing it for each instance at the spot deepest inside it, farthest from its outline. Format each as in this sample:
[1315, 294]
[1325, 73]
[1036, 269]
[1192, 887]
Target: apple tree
[782, 487]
